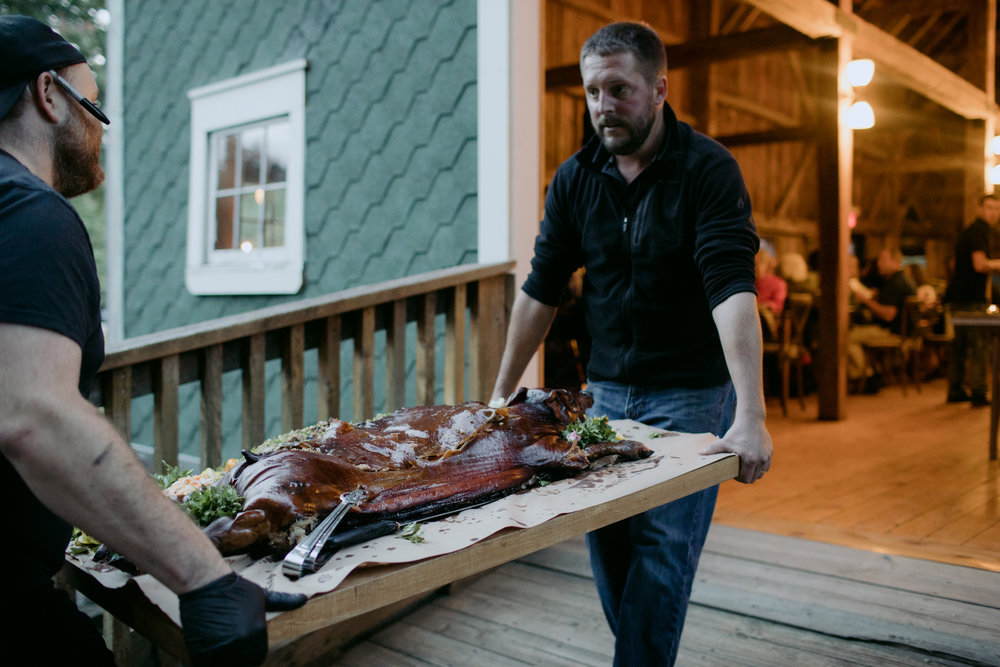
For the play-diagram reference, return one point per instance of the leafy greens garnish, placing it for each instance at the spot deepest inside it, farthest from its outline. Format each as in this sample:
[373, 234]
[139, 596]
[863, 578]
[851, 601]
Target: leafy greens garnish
[170, 475]
[208, 504]
[413, 532]
[589, 431]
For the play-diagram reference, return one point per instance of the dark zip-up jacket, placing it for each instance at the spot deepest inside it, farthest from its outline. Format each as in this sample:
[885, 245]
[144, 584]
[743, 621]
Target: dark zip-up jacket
[659, 255]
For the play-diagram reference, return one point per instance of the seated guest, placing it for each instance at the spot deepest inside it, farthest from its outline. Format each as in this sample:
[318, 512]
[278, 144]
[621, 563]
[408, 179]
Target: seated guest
[771, 292]
[886, 309]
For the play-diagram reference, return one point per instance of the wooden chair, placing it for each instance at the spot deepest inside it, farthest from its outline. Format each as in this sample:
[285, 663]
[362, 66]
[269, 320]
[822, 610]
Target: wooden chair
[896, 355]
[789, 348]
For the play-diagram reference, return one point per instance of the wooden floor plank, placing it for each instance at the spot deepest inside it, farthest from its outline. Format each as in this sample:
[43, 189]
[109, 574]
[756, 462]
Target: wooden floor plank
[718, 637]
[437, 649]
[537, 648]
[953, 582]
[849, 609]
[861, 481]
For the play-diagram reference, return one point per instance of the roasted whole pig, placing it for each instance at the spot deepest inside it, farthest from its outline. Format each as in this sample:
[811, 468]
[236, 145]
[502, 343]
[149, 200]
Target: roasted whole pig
[410, 464]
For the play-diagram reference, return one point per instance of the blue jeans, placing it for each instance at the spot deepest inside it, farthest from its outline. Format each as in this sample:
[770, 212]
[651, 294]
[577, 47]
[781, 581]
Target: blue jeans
[644, 566]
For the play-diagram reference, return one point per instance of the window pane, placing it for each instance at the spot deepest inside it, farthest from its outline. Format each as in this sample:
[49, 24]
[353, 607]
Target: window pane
[253, 143]
[224, 223]
[226, 165]
[249, 213]
[278, 139]
[274, 219]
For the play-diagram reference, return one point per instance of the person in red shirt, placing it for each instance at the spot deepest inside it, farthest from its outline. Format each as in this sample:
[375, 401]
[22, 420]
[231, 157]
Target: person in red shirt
[771, 292]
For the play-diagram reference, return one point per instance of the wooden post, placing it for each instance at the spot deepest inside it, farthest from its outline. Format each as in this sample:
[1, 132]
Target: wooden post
[487, 331]
[292, 377]
[329, 368]
[364, 365]
[454, 346]
[426, 339]
[835, 146]
[166, 379]
[254, 390]
[395, 355]
[211, 406]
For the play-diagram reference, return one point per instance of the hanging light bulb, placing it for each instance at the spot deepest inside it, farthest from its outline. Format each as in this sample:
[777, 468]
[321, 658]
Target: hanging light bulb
[995, 174]
[860, 116]
[860, 72]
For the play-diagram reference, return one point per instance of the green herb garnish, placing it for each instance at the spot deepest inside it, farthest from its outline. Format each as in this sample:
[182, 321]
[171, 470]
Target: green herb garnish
[208, 504]
[413, 532]
[170, 475]
[590, 431]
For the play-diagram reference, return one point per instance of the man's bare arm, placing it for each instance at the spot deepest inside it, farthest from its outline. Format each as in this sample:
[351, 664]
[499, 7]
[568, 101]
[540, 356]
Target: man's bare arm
[74, 461]
[529, 321]
[739, 330]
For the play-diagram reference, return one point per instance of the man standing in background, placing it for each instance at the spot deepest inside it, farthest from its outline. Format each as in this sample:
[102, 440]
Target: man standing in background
[967, 292]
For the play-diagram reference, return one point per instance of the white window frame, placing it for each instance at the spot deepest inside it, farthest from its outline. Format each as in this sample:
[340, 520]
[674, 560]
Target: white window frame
[278, 91]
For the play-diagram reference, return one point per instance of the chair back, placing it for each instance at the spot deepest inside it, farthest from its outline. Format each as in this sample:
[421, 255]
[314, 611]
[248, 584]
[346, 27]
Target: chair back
[798, 307]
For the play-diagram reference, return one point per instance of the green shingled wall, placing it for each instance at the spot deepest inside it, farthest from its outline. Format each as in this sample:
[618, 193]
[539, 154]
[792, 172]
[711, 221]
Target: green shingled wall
[390, 126]
[390, 157]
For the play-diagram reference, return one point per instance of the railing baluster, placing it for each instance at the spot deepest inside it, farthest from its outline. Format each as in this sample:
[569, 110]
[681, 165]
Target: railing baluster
[329, 368]
[166, 379]
[454, 346]
[254, 390]
[486, 336]
[426, 338]
[395, 356]
[117, 389]
[364, 365]
[211, 406]
[293, 377]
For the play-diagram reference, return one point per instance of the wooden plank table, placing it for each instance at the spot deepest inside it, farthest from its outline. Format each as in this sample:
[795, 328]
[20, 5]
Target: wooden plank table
[990, 323]
[328, 620]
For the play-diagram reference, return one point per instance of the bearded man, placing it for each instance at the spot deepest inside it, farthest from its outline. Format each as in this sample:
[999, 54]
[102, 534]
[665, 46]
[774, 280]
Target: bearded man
[61, 462]
[659, 217]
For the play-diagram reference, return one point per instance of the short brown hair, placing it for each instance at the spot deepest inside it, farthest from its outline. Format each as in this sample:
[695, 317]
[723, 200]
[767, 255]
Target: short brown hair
[626, 37]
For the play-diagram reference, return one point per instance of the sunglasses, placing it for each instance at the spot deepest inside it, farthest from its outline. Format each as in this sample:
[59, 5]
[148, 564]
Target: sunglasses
[84, 102]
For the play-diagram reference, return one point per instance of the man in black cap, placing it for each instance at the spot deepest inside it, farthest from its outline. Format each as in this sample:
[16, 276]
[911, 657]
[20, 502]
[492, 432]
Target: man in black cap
[61, 463]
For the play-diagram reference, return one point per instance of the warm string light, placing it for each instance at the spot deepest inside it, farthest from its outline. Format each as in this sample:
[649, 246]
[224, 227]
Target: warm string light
[860, 115]
[995, 169]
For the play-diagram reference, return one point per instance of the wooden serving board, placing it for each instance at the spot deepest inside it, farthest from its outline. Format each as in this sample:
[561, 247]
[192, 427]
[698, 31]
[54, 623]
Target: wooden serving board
[369, 593]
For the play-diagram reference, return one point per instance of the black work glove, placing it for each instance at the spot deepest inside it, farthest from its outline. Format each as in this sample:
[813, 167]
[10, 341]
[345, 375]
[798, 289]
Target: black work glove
[223, 621]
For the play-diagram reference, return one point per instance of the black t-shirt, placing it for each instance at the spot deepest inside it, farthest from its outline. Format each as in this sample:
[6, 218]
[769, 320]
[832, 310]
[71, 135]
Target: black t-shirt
[48, 279]
[894, 291]
[968, 286]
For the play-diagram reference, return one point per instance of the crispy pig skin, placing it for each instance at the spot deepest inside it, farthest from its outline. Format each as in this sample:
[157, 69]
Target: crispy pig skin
[414, 462]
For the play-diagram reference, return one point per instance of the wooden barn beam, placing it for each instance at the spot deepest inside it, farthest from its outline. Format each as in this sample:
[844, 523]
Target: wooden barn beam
[834, 158]
[718, 48]
[918, 165]
[914, 8]
[901, 62]
[768, 136]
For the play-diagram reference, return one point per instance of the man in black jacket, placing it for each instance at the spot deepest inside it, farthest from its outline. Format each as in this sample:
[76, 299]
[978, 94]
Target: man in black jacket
[660, 219]
[61, 462]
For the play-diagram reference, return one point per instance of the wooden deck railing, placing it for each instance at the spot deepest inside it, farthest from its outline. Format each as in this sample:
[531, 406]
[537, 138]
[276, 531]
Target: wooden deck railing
[474, 298]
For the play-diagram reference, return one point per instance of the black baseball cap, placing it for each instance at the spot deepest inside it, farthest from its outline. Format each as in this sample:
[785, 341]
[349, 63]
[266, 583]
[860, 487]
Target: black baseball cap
[28, 47]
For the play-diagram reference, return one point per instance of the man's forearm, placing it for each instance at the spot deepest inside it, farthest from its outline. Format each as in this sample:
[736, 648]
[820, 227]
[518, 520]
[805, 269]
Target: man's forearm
[80, 468]
[739, 330]
[530, 320]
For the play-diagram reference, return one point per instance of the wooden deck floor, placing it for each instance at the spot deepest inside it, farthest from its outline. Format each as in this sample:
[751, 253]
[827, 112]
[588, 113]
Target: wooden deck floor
[759, 600]
[895, 504]
[907, 475]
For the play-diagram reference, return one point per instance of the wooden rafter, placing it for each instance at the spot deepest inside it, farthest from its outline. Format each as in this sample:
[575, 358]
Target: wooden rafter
[900, 61]
[713, 49]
